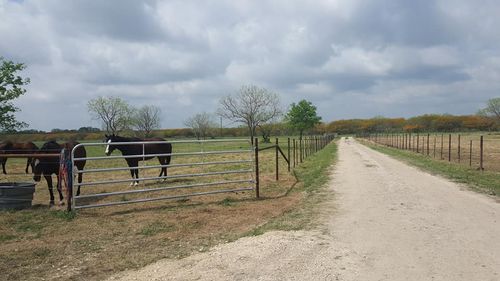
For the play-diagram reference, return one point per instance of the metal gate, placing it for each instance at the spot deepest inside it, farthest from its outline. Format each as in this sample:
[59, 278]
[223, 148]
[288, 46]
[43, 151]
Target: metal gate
[197, 168]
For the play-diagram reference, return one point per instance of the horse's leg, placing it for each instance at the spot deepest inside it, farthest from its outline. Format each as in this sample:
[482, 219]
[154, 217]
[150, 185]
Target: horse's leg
[48, 178]
[163, 172]
[59, 190]
[4, 161]
[28, 161]
[136, 171]
[80, 175]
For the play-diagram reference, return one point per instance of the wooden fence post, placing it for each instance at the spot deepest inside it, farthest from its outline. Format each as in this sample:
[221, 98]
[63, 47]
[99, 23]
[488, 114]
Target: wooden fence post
[449, 148]
[257, 191]
[481, 148]
[442, 145]
[300, 149]
[294, 153]
[458, 148]
[428, 136]
[470, 154]
[418, 144]
[289, 159]
[277, 166]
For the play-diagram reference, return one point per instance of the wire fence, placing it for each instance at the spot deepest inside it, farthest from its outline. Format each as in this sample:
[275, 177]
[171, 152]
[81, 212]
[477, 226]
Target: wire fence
[477, 151]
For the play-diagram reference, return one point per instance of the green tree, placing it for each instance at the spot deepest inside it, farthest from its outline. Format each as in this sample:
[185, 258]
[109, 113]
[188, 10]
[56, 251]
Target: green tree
[11, 87]
[114, 113]
[302, 116]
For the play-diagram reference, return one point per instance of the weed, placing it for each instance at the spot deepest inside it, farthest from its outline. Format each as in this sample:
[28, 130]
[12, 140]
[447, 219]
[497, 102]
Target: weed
[155, 228]
[6, 237]
[64, 215]
[227, 202]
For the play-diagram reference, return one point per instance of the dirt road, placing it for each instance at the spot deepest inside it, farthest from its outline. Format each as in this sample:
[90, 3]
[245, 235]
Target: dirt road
[386, 221]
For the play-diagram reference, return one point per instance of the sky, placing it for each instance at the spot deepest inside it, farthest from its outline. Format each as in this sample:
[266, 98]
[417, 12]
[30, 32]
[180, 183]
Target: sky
[351, 59]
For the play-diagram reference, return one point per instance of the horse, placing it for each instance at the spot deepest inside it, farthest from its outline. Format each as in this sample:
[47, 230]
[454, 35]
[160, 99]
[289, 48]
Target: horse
[47, 166]
[18, 148]
[137, 149]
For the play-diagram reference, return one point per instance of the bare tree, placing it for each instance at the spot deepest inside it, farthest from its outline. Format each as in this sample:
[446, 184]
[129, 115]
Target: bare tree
[114, 113]
[492, 109]
[251, 106]
[201, 124]
[146, 119]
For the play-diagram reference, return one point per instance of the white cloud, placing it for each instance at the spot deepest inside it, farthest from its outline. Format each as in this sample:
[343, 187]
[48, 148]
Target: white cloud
[350, 58]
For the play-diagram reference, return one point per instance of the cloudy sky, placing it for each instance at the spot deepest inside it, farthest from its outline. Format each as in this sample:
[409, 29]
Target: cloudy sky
[352, 59]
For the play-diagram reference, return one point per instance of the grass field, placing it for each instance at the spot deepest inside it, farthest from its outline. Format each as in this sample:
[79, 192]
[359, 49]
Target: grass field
[42, 243]
[464, 149]
[486, 181]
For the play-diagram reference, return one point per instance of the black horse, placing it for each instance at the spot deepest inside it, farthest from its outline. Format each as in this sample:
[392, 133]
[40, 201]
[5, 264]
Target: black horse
[137, 149]
[9, 147]
[47, 166]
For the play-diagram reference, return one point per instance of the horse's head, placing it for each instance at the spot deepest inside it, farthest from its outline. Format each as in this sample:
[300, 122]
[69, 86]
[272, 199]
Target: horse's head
[37, 170]
[109, 147]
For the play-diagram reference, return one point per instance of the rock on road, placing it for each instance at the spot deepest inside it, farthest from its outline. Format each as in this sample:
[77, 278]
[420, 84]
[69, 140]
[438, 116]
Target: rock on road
[386, 221]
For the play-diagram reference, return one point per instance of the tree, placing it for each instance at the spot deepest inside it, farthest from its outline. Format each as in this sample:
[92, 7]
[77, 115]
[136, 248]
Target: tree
[492, 109]
[251, 106]
[201, 124]
[10, 88]
[146, 119]
[114, 113]
[302, 116]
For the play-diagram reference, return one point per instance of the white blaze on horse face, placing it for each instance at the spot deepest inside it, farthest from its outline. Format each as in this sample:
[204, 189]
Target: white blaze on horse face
[107, 148]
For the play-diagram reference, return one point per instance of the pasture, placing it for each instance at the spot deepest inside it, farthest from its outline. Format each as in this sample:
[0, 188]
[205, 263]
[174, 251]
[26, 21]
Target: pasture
[460, 148]
[43, 243]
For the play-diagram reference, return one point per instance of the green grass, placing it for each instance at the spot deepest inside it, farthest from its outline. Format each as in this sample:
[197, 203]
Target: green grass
[312, 176]
[482, 181]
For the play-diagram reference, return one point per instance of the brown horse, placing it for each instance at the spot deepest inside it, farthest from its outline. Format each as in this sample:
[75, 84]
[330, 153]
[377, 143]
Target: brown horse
[47, 166]
[9, 147]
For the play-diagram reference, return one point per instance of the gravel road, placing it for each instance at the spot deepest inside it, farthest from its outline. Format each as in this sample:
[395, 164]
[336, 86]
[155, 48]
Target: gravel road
[386, 221]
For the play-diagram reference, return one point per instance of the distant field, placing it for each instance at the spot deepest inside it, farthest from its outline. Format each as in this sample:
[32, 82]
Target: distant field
[439, 147]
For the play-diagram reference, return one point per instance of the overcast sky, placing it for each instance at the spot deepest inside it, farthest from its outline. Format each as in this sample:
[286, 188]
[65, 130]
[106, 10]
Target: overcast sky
[352, 59]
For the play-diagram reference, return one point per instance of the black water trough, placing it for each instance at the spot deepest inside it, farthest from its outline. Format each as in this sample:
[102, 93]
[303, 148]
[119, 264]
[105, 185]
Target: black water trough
[16, 195]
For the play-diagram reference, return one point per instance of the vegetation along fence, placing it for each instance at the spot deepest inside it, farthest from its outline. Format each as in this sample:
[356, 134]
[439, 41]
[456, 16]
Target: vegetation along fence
[474, 150]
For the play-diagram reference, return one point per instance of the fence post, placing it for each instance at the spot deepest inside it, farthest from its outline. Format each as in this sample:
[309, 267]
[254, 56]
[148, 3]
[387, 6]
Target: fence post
[435, 146]
[458, 148]
[470, 154]
[294, 153]
[481, 154]
[442, 145]
[277, 166]
[300, 149]
[257, 191]
[449, 148]
[289, 159]
[428, 136]
[418, 143]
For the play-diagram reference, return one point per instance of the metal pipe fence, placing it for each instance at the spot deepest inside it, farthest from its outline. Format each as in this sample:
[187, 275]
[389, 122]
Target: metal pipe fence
[196, 168]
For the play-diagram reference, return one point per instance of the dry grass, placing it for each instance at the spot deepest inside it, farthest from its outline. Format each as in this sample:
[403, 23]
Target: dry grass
[42, 243]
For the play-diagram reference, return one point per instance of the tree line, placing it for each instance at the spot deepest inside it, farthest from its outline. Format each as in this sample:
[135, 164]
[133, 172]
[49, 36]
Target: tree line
[423, 123]
[257, 110]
